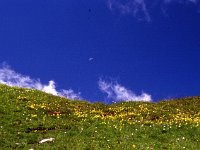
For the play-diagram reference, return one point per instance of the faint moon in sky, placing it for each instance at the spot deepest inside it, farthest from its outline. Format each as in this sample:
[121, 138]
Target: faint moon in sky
[90, 59]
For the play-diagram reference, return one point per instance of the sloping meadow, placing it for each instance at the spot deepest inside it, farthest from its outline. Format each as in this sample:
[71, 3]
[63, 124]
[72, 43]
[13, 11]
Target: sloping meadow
[31, 119]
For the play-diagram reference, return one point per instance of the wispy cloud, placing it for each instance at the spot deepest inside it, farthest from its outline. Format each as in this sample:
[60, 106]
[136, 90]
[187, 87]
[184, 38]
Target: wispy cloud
[181, 1]
[12, 78]
[117, 92]
[135, 7]
[141, 8]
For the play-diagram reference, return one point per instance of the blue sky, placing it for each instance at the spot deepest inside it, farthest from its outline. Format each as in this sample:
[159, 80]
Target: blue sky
[102, 50]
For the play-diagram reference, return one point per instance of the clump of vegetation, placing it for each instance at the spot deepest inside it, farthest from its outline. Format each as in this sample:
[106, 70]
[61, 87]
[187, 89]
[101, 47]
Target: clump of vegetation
[33, 119]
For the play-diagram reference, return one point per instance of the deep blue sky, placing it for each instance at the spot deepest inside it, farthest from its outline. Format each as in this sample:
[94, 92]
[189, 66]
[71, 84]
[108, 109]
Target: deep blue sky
[54, 39]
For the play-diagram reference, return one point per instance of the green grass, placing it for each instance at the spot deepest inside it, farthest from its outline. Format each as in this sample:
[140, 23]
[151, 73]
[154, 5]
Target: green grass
[28, 116]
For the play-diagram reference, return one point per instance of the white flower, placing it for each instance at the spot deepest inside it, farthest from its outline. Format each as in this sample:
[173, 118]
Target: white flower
[47, 140]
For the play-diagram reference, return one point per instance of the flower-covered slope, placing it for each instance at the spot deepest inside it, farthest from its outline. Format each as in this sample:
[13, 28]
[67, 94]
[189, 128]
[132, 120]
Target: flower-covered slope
[29, 116]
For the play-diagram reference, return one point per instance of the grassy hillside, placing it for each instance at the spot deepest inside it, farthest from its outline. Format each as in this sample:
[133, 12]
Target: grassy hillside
[29, 116]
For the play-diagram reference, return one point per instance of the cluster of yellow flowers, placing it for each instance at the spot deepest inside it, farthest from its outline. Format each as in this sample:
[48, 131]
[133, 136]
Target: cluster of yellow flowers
[37, 106]
[141, 113]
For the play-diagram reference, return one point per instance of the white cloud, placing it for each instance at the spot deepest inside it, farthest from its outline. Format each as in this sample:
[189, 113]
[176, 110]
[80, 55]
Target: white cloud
[12, 78]
[51, 88]
[141, 8]
[70, 94]
[118, 92]
[135, 7]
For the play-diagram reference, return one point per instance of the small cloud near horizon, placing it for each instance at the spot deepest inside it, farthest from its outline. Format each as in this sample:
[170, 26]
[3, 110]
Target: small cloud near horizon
[12, 78]
[117, 92]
